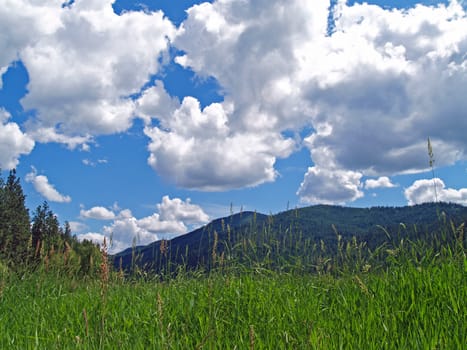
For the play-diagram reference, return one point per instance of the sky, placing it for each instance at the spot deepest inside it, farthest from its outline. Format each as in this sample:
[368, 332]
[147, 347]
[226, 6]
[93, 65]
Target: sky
[142, 120]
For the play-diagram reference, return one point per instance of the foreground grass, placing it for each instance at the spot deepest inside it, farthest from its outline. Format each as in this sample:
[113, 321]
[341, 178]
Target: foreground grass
[402, 307]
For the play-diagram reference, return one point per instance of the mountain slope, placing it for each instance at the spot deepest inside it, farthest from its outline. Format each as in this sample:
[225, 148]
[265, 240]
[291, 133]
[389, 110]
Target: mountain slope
[302, 233]
[192, 248]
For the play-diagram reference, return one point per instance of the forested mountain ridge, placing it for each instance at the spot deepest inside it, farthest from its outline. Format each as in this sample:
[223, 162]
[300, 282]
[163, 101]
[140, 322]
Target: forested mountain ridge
[296, 233]
[307, 235]
[369, 224]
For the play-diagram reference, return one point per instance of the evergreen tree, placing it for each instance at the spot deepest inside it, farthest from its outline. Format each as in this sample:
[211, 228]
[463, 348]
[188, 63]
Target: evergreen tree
[19, 241]
[53, 231]
[39, 228]
[66, 232]
[89, 256]
[46, 231]
[14, 221]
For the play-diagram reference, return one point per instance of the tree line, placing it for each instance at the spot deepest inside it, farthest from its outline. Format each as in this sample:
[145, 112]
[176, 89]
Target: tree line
[40, 240]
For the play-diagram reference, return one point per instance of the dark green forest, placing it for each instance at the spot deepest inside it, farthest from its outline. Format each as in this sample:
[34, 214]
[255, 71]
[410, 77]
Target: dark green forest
[38, 240]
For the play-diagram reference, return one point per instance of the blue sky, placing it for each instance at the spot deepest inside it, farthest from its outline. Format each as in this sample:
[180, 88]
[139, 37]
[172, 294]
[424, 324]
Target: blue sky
[147, 119]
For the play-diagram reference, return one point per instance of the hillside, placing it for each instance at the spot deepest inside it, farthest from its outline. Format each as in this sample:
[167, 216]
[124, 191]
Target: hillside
[192, 248]
[307, 234]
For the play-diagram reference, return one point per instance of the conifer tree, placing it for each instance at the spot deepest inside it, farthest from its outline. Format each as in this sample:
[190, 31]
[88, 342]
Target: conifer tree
[53, 230]
[39, 228]
[14, 221]
[67, 231]
[46, 231]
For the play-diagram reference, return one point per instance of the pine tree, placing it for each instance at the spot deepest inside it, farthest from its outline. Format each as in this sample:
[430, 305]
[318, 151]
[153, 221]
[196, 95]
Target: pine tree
[53, 230]
[46, 231]
[39, 228]
[66, 232]
[14, 221]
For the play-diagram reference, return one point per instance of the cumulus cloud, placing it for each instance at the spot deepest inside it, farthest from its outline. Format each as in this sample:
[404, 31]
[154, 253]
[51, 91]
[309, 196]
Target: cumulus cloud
[372, 90]
[13, 142]
[95, 237]
[44, 134]
[391, 78]
[248, 49]
[387, 95]
[174, 217]
[98, 238]
[98, 213]
[127, 232]
[47, 190]
[77, 227]
[330, 186]
[425, 190]
[21, 23]
[155, 224]
[198, 149]
[83, 61]
[381, 182]
[155, 102]
[179, 210]
[2, 71]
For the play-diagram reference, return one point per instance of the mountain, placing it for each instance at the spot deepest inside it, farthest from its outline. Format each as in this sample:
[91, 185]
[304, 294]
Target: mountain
[192, 248]
[302, 233]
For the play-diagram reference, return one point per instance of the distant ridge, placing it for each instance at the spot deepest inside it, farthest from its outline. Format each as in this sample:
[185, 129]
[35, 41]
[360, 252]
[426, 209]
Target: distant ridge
[314, 224]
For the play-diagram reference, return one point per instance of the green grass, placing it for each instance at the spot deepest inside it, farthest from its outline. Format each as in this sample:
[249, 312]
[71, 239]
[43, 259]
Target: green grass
[403, 306]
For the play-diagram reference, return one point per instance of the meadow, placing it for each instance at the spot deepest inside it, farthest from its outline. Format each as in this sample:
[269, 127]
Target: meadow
[414, 296]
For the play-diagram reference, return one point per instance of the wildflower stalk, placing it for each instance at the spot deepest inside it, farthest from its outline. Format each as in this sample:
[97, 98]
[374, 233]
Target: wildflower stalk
[252, 337]
[104, 282]
[214, 249]
[432, 162]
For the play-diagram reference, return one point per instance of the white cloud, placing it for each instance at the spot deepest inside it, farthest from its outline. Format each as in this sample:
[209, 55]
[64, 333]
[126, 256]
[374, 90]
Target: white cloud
[98, 213]
[21, 23]
[174, 217]
[390, 79]
[2, 71]
[381, 182]
[83, 61]
[198, 149]
[113, 246]
[125, 213]
[92, 163]
[154, 224]
[179, 210]
[121, 234]
[330, 186]
[50, 134]
[98, 238]
[13, 142]
[372, 91]
[126, 231]
[248, 49]
[77, 227]
[41, 184]
[95, 237]
[154, 102]
[426, 190]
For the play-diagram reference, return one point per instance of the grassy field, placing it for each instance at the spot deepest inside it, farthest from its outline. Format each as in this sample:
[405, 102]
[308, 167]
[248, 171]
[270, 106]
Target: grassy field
[406, 305]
